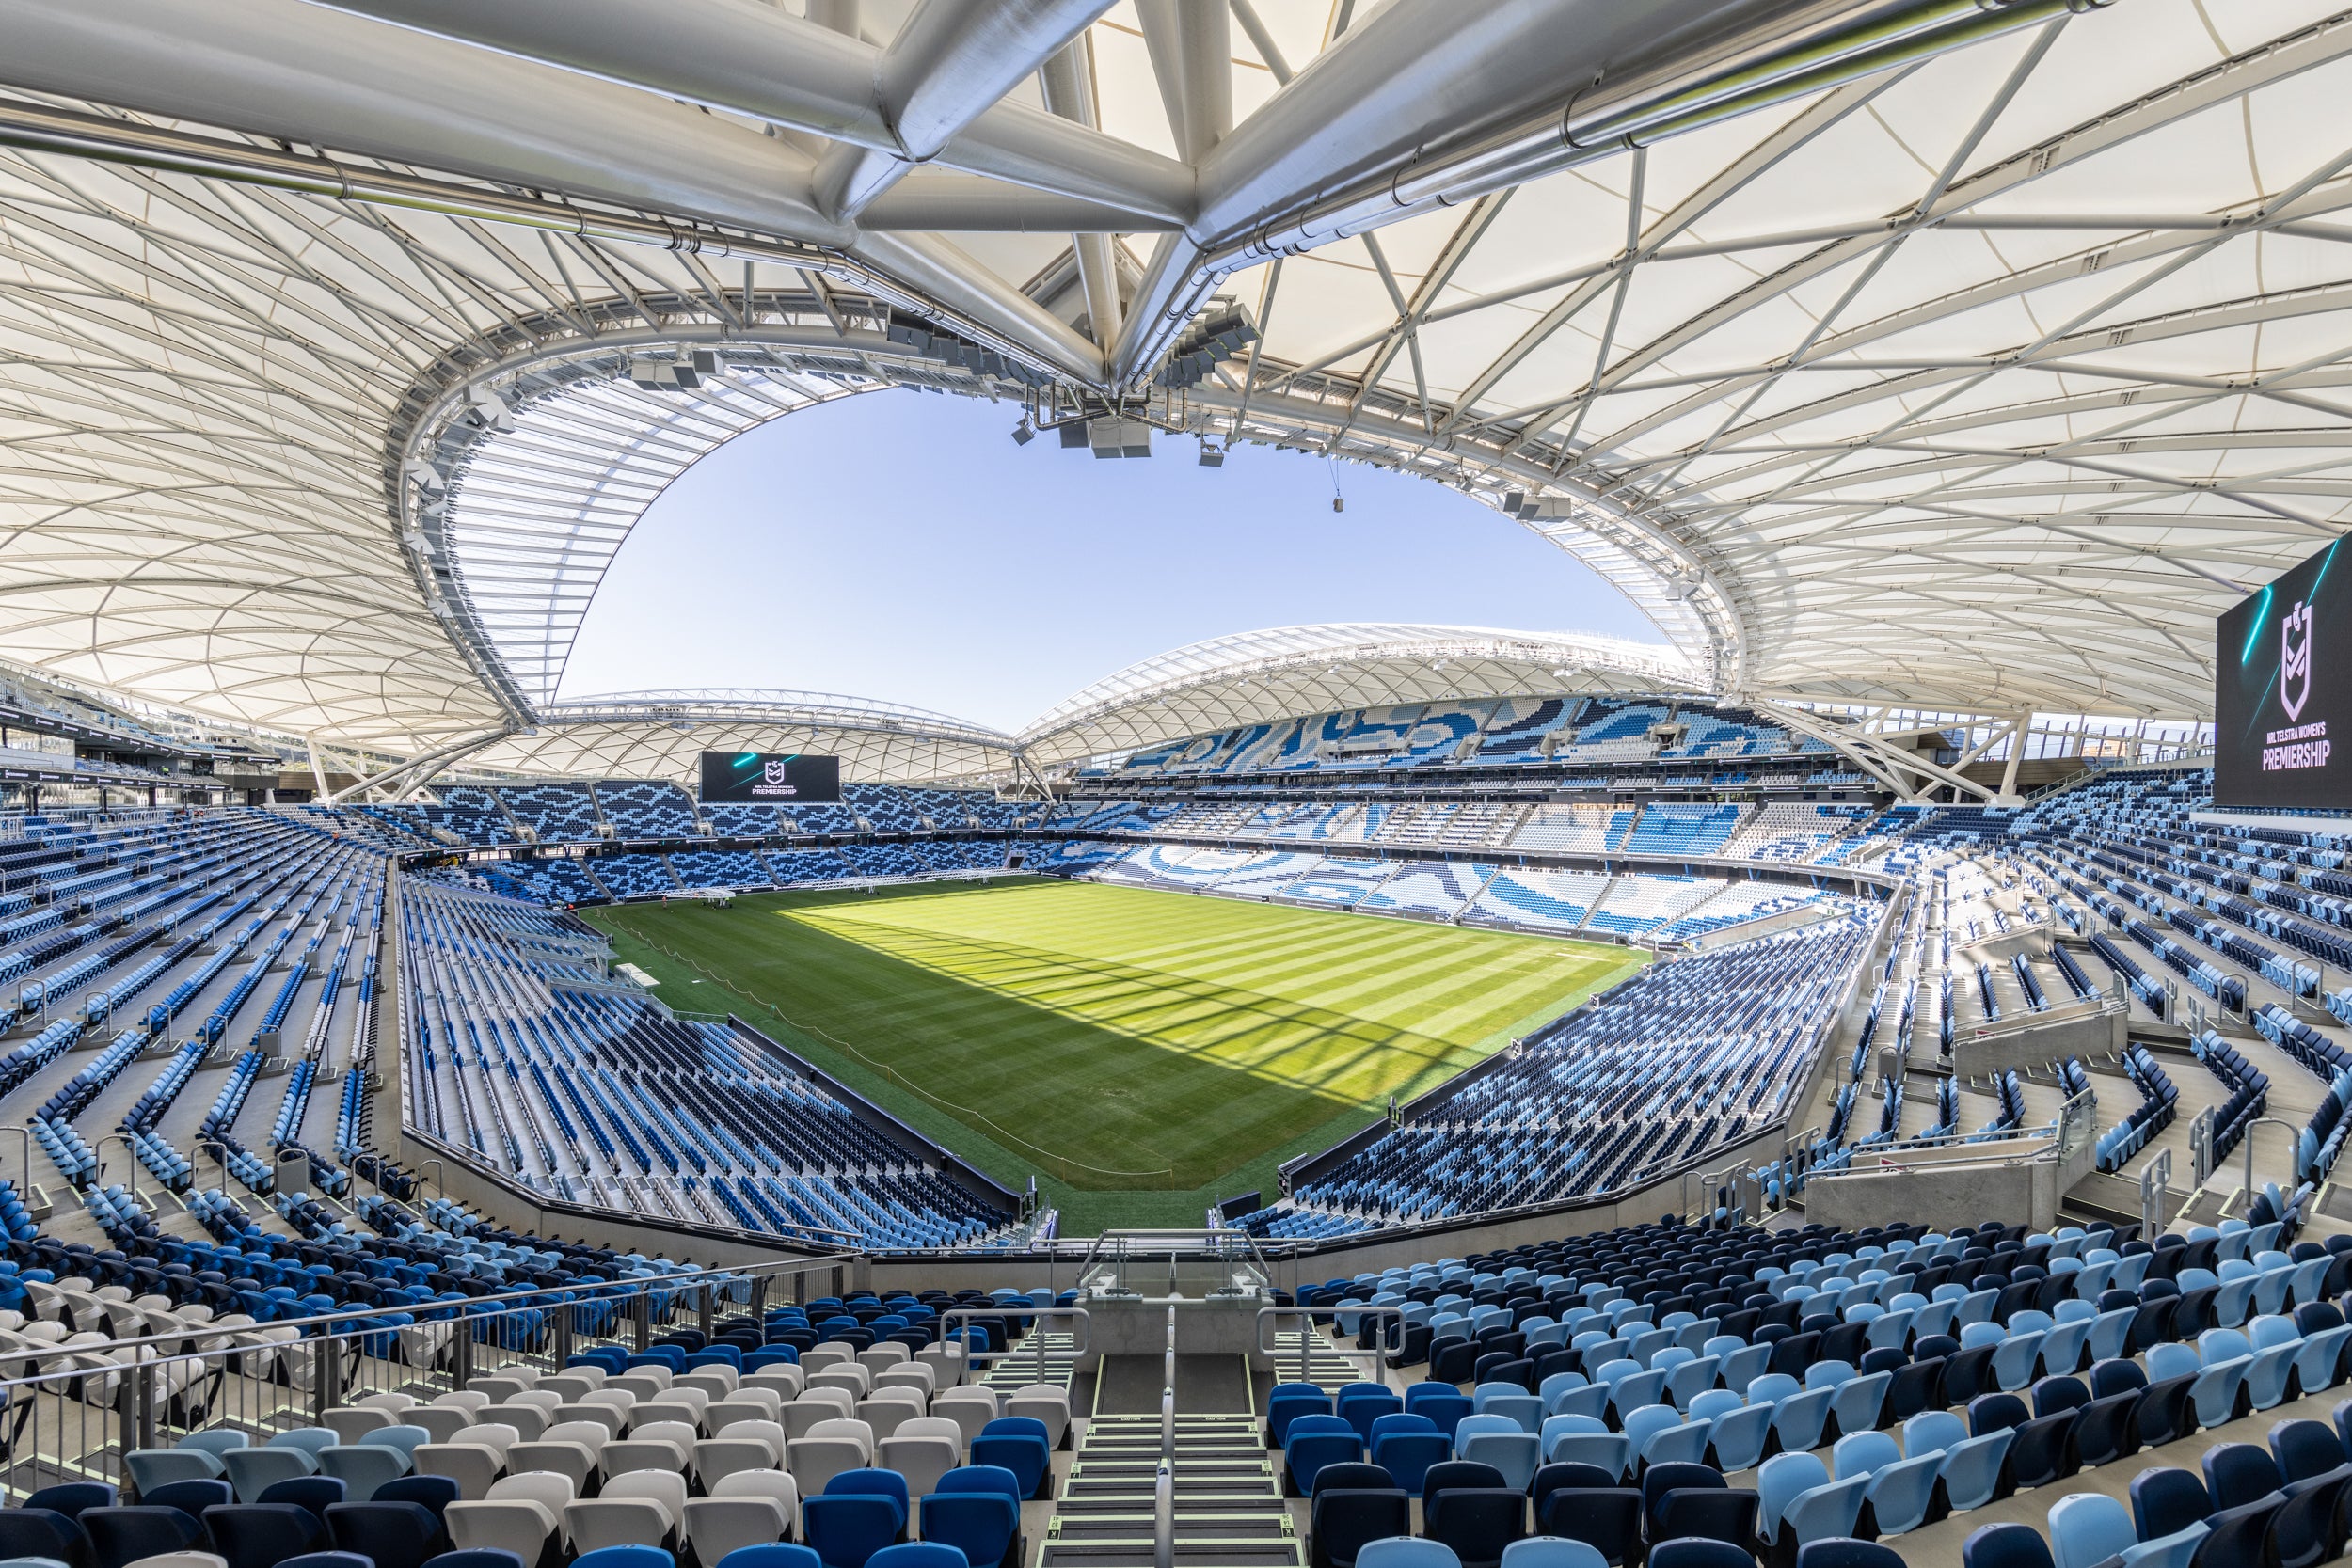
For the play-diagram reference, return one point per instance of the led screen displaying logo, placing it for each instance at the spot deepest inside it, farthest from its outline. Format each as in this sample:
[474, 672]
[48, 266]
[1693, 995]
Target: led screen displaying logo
[770, 778]
[2278, 704]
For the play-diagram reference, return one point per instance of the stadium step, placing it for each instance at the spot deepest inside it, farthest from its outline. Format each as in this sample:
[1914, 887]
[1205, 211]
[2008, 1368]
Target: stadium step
[1228, 1511]
[1018, 1366]
[1327, 1365]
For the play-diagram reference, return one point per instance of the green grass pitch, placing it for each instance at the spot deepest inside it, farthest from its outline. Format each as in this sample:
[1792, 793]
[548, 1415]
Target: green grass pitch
[1143, 1052]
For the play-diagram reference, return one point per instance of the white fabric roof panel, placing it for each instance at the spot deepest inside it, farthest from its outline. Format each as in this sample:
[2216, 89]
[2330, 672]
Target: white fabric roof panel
[1980, 381]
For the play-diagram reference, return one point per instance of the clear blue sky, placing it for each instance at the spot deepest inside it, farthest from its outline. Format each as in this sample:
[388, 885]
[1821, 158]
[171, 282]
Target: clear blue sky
[899, 545]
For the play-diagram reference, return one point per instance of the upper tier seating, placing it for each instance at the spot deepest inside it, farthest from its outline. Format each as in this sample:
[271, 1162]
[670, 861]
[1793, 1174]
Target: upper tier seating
[555, 813]
[645, 808]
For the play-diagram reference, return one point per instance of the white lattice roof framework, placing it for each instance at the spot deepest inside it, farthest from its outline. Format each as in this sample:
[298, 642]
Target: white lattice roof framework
[1951, 355]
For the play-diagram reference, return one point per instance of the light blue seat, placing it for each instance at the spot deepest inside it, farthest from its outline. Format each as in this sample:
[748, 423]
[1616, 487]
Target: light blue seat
[220, 1440]
[1518, 1406]
[1901, 1493]
[1888, 1331]
[1515, 1453]
[1744, 1366]
[1558, 1384]
[2087, 1527]
[254, 1471]
[2014, 1362]
[1976, 1308]
[1772, 1387]
[2062, 1347]
[2110, 1333]
[1739, 1436]
[1691, 1379]
[153, 1467]
[2166, 1551]
[311, 1440]
[1714, 1403]
[2307, 1282]
[362, 1467]
[1636, 1390]
[1977, 1336]
[1828, 1375]
[2234, 1302]
[2131, 1272]
[1932, 1430]
[1646, 1421]
[1684, 1443]
[1557, 1427]
[1971, 1471]
[1784, 1478]
[1800, 1417]
[1858, 1402]
[1935, 1317]
[1405, 1551]
[1549, 1551]
[2272, 1286]
[2319, 1360]
[1859, 1453]
[1826, 1511]
[1592, 1400]
[2268, 1372]
[1610, 1451]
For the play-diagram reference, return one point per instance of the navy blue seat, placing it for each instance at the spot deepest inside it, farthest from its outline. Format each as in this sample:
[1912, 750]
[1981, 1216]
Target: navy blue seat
[122, 1535]
[32, 1531]
[395, 1534]
[1345, 1519]
[2000, 1547]
[846, 1530]
[1478, 1522]
[985, 1527]
[314, 1492]
[261, 1535]
[73, 1496]
[191, 1497]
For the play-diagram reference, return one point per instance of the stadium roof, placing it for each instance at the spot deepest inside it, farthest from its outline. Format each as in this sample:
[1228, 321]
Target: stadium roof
[1967, 353]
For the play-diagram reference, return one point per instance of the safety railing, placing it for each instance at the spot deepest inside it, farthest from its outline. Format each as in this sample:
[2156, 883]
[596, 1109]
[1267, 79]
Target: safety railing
[1083, 1340]
[1391, 1339]
[86, 1380]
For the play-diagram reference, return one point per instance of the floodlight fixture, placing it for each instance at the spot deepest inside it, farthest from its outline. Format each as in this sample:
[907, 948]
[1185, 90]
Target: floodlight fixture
[1024, 432]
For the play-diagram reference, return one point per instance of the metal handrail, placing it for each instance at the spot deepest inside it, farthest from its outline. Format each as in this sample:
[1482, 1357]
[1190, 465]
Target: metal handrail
[367, 1320]
[1023, 1310]
[1307, 1316]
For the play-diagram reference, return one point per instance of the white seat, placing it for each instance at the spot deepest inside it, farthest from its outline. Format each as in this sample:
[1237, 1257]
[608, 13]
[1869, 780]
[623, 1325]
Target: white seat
[620, 1399]
[656, 1412]
[908, 1375]
[643, 1383]
[677, 1433]
[349, 1423]
[602, 1522]
[568, 1387]
[612, 1417]
[544, 1399]
[549, 1490]
[715, 1457]
[945, 1359]
[395, 1403]
[767, 1434]
[467, 1398]
[818, 1404]
[724, 1413]
[181, 1560]
[630, 1455]
[969, 1415]
[717, 1525]
[518, 1525]
[922, 1460]
[1047, 1402]
[496, 1388]
[817, 1357]
[472, 1465]
[573, 1462]
[530, 1421]
[490, 1434]
[717, 1382]
[886, 1415]
[444, 1422]
[664, 1487]
[769, 1400]
[815, 1460]
[591, 1435]
[787, 1380]
[856, 1379]
[881, 1358]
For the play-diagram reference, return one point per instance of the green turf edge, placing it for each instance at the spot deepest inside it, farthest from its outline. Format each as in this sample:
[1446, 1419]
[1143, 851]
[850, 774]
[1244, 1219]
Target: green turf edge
[1084, 1211]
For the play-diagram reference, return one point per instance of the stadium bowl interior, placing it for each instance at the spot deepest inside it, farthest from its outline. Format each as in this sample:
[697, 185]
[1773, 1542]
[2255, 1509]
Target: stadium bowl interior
[1854, 1078]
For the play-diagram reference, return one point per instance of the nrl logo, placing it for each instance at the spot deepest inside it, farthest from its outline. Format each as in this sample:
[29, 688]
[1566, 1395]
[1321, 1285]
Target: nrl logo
[779, 772]
[2295, 659]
